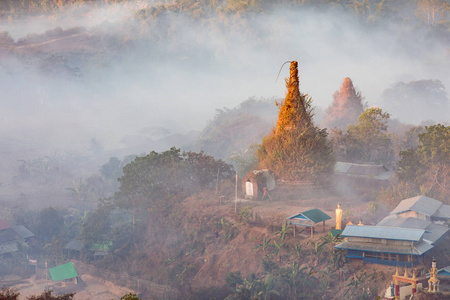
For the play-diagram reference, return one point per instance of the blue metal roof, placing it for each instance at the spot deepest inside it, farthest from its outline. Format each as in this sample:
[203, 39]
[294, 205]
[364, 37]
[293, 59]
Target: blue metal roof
[418, 249]
[421, 204]
[444, 271]
[383, 232]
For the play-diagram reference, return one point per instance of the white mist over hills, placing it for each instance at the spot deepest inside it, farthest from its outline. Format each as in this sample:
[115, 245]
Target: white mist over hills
[120, 75]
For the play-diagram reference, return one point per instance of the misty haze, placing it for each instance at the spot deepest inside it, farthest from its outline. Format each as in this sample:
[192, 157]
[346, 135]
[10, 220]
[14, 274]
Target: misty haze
[150, 146]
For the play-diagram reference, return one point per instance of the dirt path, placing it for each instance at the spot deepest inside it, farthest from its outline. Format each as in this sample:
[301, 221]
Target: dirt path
[91, 289]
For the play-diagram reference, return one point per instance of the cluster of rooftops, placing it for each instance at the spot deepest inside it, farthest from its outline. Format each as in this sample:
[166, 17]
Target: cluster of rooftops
[413, 228]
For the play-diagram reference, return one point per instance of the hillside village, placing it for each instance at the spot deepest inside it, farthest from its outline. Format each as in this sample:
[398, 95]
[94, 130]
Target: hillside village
[259, 235]
[109, 189]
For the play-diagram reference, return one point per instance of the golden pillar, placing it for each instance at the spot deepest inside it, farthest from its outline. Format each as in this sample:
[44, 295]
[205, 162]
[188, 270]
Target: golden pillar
[339, 217]
[397, 285]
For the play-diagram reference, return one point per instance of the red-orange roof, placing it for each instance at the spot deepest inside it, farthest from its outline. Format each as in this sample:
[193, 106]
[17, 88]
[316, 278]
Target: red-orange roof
[4, 225]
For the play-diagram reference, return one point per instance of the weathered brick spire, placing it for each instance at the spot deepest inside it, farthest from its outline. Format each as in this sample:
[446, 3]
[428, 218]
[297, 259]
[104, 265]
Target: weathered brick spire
[292, 110]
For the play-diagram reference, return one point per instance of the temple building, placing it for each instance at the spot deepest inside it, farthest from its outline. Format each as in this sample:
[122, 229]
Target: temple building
[393, 246]
[424, 208]
[401, 239]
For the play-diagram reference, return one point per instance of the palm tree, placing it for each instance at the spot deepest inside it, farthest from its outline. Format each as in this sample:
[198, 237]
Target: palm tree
[277, 249]
[268, 288]
[283, 231]
[317, 250]
[337, 258]
[265, 244]
[296, 280]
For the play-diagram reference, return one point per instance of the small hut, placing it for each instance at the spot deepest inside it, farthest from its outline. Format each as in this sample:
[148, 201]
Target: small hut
[64, 272]
[255, 182]
[308, 219]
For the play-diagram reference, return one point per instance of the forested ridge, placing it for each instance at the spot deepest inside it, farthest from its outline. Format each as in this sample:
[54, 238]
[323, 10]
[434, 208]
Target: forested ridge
[431, 12]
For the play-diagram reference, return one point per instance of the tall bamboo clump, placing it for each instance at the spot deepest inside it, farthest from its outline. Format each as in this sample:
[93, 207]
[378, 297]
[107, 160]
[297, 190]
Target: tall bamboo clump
[296, 149]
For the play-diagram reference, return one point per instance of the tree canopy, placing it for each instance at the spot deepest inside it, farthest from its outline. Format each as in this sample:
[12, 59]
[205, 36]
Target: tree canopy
[366, 141]
[428, 165]
[152, 180]
[418, 100]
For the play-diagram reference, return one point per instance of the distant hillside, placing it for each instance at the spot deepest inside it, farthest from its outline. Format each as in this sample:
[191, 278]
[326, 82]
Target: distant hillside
[234, 130]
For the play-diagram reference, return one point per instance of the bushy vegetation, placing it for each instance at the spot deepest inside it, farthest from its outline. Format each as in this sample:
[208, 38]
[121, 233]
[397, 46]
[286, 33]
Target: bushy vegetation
[427, 167]
[366, 141]
[9, 294]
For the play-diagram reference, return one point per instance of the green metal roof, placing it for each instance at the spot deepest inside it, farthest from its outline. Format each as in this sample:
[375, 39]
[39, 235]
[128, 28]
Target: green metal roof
[62, 272]
[335, 232]
[316, 215]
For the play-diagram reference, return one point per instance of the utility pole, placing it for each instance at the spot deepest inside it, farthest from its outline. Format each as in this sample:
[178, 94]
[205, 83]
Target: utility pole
[235, 196]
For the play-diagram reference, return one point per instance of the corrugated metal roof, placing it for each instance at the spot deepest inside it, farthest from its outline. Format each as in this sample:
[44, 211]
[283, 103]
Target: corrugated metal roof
[444, 271]
[316, 215]
[335, 232]
[74, 245]
[23, 231]
[421, 204]
[65, 271]
[443, 212]
[434, 232]
[9, 247]
[383, 232]
[394, 221]
[7, 235]
[418, 249]
[342, 167]
[378, 172]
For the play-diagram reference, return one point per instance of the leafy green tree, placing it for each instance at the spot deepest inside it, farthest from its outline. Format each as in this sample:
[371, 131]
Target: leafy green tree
[245, 161]
[296, 149]
[48, 295]
[410, 139]
[427, 167]
[10, 294]
[130, 296]
[418, 100]
[50, 222]
[203, 169]
[368, 139]
[96, 228]
[153, 181]
[112, 170]
[234, 279]
[392, 195]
